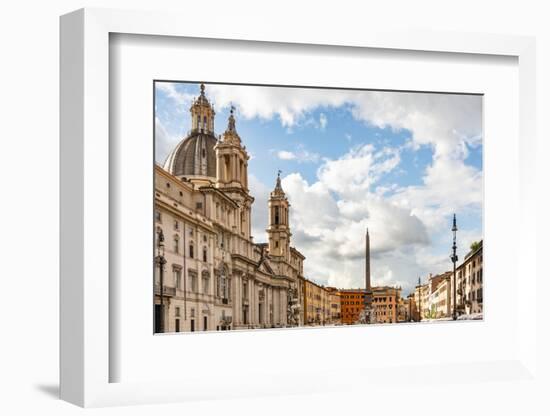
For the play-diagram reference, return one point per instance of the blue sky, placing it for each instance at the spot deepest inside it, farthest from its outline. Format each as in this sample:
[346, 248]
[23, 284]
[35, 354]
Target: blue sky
[398, 163]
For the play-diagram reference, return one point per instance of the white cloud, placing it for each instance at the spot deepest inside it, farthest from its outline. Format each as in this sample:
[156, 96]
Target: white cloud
[260, 192]
[323, 121]
[445, 122]
[357, 170]
[285, 155]
[300, 155]
[181, 99]
[448, 186]
[289, 105]
[164, 142]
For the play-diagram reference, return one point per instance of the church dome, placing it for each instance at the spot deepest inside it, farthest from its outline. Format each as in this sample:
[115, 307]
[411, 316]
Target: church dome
[193, 156]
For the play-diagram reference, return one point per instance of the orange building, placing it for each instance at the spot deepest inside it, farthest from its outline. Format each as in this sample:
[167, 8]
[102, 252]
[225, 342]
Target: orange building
[352, 303]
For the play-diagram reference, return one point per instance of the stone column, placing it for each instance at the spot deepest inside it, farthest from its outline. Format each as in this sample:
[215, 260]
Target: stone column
[269, 298]
[219, 166]
[253, 303]
[236, 297]
[238, 167]
[284, 307]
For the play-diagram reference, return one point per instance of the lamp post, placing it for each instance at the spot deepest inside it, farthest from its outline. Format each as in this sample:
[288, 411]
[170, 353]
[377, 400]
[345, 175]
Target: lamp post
[161, 260]
[454, 259]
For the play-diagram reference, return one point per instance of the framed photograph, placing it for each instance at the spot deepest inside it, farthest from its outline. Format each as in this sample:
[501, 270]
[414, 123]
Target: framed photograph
[237, 210]
[237, 245]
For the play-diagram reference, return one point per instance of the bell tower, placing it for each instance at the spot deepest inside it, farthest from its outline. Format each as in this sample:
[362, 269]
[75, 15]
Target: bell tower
[279, 228]
[232, 158]
[232, 173]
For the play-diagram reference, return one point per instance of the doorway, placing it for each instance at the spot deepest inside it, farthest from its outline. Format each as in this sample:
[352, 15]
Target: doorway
[158, 317]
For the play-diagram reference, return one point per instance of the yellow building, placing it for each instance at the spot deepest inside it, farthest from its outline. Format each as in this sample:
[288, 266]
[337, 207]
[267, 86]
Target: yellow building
[335, 305]
[317, 310]
[405, 309]
[385, 301]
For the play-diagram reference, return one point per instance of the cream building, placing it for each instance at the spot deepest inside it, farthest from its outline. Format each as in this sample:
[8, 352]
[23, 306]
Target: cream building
[215, 276]
[422, 301]
[434, 298]
[469, 283]
[440, 298]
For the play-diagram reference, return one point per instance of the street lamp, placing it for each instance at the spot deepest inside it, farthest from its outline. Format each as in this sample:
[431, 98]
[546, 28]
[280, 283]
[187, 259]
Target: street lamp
[161, 260]
[454, 259]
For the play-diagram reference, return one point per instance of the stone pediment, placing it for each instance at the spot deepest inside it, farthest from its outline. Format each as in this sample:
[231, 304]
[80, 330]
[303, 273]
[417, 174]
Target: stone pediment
[264, 266]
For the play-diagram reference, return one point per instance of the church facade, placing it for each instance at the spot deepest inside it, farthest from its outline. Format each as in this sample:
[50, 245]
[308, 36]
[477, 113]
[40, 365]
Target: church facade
[214, 276]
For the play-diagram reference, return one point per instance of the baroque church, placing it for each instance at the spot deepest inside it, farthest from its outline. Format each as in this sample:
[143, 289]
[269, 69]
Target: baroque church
[214, 276]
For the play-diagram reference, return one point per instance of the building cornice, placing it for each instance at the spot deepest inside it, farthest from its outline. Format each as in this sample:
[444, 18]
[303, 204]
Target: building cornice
[214, 190]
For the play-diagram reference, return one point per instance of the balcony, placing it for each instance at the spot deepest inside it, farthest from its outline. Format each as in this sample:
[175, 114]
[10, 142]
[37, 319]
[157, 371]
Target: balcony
[167, 291]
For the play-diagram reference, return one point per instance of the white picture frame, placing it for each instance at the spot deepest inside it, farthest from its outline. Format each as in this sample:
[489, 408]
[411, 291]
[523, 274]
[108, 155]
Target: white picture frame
[85, 220]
